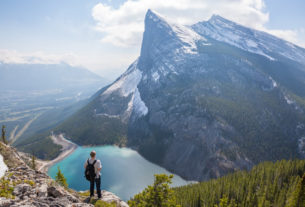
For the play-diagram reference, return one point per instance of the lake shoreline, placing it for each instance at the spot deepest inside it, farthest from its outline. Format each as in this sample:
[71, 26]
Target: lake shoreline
[124, 171]
[68, 148]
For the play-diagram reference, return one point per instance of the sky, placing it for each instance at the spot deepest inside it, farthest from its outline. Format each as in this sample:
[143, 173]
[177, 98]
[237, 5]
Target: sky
[105, 36]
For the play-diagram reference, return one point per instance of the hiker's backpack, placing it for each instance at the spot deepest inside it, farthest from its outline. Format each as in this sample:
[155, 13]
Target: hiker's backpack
[90, 171]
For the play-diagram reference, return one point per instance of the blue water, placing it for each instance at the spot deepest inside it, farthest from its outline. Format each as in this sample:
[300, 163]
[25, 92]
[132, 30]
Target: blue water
[124, 171]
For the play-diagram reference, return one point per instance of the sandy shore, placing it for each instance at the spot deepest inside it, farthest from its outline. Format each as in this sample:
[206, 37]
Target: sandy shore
[67, 148]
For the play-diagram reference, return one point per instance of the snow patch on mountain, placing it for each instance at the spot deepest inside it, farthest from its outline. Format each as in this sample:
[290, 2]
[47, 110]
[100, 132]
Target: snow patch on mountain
[251, 43]
[128, 84]
[274, 84]
[3, 167]
[188, 36]
[108, 115]
[288, 100]
[301, 146]
[224, 31]
[155, 76]
[138, 105]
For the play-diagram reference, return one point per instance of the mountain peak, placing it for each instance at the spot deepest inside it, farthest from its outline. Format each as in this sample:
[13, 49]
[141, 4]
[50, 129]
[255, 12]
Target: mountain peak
[160, 32]
[153, 18]
[217, 16]
[217, 19]
[151, 14]
[156, 28]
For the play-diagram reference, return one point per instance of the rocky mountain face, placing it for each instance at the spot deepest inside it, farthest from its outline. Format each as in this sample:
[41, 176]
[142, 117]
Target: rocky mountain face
[249, 39]
[202, 100]
[23, 186]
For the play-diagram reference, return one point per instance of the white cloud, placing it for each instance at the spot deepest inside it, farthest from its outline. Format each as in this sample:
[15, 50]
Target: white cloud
[106, 65]
[294, 36]
[12, 56]
[123, 26]
[290, 35]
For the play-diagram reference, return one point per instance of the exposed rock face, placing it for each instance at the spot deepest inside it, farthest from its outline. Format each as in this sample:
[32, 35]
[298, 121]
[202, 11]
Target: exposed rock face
[111, 198]
[34, 188]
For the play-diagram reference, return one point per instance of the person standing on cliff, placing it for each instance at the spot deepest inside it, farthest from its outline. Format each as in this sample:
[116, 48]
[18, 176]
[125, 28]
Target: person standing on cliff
[93, 173]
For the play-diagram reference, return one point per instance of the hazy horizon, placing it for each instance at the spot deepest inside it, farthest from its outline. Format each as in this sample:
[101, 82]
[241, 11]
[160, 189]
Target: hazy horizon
[105, 36]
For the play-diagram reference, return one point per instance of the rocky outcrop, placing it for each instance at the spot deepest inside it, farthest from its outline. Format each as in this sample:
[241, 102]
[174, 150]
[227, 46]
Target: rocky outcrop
[111, 198]
[23, 186]
[34, 188]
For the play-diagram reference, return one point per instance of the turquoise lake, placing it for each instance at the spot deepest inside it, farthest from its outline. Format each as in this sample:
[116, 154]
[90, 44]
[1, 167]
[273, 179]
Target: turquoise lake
[124, 172]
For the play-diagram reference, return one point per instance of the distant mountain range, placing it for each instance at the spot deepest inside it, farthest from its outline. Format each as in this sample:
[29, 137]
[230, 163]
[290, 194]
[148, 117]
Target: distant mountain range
[202, 100]
[27, 77]
[36, 97]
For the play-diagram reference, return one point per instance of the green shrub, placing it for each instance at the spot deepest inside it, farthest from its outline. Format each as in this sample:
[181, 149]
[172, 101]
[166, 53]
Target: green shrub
[30, 182]
[6, 189]
[157, 195]
[101, 203]
[85, 193]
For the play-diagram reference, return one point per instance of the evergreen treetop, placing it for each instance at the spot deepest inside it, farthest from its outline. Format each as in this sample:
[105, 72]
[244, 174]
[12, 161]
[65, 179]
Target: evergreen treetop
[60, 178]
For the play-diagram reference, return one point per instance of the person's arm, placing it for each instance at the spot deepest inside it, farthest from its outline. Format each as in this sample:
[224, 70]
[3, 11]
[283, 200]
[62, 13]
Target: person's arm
[99, 166]
[85, 165]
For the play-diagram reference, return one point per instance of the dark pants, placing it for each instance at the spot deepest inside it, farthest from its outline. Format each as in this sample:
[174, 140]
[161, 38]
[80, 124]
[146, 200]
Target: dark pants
[98, 187]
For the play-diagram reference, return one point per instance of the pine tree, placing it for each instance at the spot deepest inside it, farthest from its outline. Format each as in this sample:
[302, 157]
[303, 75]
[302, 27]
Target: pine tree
[157, 195]
[3, 135]
[232, 203]
[223, 202]
[33, 161]
[60, 178]
[298, 197]
[301, 198]
[199, 201]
